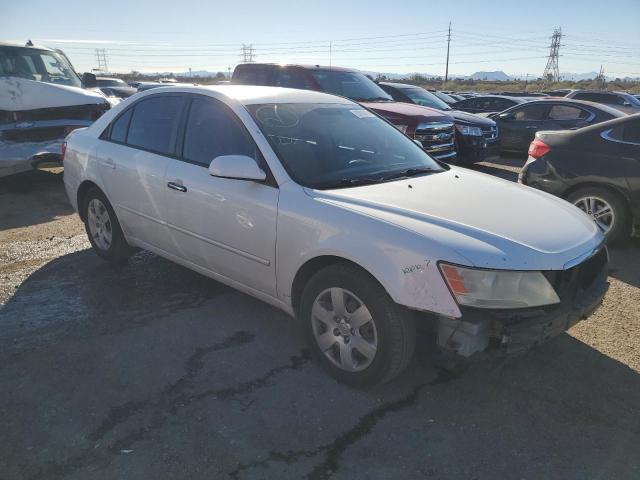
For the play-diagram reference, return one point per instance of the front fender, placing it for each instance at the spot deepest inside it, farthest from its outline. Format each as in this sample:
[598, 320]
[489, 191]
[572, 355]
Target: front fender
[404, 263]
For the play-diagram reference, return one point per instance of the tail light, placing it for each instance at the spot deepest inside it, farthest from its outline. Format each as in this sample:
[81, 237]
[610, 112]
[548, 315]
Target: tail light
[538, 148]
[63, 149]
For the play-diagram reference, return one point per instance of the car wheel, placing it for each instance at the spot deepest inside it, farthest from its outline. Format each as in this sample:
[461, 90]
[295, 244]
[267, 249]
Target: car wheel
[606, 209]
[103, 229]
[356, 331]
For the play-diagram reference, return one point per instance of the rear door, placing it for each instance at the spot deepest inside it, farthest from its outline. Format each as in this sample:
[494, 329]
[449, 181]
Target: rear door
[133, 157]
[224, 225]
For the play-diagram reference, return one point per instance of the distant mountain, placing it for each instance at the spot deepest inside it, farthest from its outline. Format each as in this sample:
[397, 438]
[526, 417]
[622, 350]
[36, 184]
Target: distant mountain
[497, 76]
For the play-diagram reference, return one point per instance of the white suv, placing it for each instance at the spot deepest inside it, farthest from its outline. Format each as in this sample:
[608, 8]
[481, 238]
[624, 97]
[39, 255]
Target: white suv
[316, 205]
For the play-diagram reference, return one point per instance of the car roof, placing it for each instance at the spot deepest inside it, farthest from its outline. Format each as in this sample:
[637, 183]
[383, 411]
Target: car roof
[298, 65]
[504, 97]
[24, 45]
[252, 94]
[607, 124]
[570, 101]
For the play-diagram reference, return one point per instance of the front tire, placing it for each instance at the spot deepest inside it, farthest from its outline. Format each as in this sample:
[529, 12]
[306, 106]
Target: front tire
[103, 228]
[356, 331]
[606, 209]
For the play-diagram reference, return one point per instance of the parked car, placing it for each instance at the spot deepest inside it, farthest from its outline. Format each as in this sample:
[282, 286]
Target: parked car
[487, 104]
[518, 125]
[448, 99]
[323, 209]
[561, 92]
[433, 129]
[114, 87]
[621, 100]
[41, 100]
[596, 168]
[522, 94]
[476, 137]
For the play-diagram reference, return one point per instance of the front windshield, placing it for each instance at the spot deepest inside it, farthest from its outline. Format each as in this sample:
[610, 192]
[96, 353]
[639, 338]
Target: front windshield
[353, 85]
[39, 65]
[337, 145]
[444, 97]
[420, 96]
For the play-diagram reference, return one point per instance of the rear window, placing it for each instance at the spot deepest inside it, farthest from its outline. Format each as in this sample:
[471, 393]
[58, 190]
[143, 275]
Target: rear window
[154, 124]
[253, 76]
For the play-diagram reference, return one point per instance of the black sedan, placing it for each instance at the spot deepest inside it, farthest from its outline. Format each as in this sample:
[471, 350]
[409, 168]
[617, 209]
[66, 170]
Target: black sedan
[476, 137]
[518, 125]
[597, 168]
[488, 103]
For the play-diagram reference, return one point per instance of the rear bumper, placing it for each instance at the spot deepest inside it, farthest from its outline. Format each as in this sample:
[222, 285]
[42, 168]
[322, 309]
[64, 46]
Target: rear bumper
[499, 332]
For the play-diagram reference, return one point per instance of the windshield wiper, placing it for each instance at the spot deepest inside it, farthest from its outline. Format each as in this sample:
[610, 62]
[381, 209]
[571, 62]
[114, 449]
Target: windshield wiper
[351, 182]
[411, 172]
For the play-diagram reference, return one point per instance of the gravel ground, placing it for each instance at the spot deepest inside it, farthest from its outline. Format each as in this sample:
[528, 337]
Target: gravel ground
[149, 370]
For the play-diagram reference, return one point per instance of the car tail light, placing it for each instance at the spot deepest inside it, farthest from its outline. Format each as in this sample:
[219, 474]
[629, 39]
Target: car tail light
[538, 148]
[63, 149]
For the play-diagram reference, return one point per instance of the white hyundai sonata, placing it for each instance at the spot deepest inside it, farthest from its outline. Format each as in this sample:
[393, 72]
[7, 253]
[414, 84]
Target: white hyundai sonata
[316, 205]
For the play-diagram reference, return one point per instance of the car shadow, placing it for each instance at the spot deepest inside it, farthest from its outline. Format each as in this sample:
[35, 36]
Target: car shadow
[32, 198]
[100, 361]
[624, 264]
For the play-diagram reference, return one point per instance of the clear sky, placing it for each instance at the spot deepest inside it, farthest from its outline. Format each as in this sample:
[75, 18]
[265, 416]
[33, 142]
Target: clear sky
[382, 36]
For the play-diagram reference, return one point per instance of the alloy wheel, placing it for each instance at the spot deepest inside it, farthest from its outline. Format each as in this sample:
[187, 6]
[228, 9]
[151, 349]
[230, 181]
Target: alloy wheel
[599, 210]
[344, 329]
[99, 223]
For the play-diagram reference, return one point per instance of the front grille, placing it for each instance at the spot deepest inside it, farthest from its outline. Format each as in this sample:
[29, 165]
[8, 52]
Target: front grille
[490, 133]
[568, 283]
[437, 137]
[76, 112]
[34, 134]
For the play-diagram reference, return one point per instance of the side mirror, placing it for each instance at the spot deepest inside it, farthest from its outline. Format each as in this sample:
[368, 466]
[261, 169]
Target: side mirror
[239, 167]
[626, 103]
[89, 80]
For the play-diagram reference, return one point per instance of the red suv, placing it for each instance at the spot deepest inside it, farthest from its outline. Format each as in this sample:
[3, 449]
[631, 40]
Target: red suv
[432, 128]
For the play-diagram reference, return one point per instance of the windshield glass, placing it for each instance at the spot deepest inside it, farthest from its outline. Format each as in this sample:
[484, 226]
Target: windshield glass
[353, 85]
[444, 97]
[427, 99]
[39, 65]
[336, 145]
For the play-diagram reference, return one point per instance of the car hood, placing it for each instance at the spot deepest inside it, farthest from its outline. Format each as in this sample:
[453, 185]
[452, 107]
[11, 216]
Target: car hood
[491, 222]
[407, 112]
[471, 119]
[22, 94]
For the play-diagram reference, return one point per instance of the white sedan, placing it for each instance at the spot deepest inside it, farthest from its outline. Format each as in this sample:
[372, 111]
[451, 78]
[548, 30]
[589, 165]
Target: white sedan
[316, 205]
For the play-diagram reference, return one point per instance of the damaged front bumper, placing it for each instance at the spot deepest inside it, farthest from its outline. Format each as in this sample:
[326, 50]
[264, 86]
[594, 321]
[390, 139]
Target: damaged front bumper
[581, 290]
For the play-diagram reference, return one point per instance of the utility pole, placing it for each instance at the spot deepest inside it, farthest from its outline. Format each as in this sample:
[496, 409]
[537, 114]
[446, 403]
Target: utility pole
[229, 70]
[552, 71]
[247, 53]
[446, 72]
[600, 78]
[330, 52]
[101, 57]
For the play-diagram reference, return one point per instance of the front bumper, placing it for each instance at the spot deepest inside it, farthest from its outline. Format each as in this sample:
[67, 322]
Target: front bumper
[472, 149]
[581, 290]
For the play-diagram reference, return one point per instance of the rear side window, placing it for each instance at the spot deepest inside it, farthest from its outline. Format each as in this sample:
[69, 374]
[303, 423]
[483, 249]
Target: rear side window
[291, 78]
[606, 98]
[212, 130]
[566, 112]
[254, 76]
[154, 124]
[120, 127]
[531, 112]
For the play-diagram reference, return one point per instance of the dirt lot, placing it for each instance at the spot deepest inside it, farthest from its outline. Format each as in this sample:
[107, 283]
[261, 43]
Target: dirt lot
[152, 371]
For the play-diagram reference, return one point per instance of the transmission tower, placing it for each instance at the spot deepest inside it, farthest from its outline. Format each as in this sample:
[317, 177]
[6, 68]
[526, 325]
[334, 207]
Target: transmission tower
[552, 71]
[101, 57]
[247, 53]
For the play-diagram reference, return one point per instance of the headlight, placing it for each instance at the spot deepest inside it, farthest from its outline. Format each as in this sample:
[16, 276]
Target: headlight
[479, 288]
[467, 130]
[402, 128]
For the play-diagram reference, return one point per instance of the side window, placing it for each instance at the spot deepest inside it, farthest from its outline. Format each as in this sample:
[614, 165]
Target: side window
[566, 112]
[120, 127]
[531, 112]
[212, 130]
[154, 124]
[290, 78]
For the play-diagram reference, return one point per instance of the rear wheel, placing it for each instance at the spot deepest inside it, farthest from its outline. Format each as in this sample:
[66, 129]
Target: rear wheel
[103, 229]
[605, 208]
[358, 334]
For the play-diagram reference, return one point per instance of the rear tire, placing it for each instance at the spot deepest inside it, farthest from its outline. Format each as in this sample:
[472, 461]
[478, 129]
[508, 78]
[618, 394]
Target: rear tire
[103, 228]
[605, 207]
[356, 332]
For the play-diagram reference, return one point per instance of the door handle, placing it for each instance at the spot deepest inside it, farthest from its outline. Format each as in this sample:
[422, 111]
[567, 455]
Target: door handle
[178, 187]
[108, 162]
